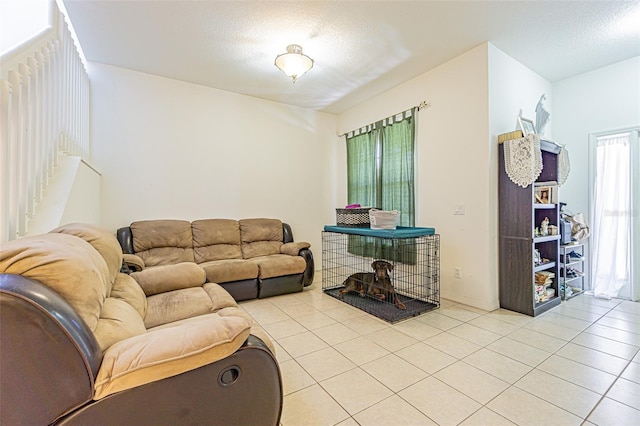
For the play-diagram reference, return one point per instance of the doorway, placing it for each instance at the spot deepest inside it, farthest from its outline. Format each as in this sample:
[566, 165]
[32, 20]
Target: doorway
[615, 202]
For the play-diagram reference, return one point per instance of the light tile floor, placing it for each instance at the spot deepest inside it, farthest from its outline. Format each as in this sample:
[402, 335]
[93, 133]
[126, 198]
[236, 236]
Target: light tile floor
[576, 364]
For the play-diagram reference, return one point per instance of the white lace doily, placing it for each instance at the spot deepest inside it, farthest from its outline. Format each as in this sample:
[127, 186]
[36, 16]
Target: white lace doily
[564, 166]
[523, 159]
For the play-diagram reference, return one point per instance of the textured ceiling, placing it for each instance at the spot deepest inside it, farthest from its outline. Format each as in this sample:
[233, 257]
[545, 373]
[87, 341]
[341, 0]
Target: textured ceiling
[360, 48]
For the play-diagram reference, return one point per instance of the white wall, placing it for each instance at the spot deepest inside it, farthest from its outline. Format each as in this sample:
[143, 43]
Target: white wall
[174, 150]
[83, 204]
[513, 89]
[73, 195]
[453, 165]
[607, 99]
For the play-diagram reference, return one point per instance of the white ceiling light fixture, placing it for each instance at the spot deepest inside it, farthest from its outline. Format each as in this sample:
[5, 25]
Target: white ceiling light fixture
[294, 63]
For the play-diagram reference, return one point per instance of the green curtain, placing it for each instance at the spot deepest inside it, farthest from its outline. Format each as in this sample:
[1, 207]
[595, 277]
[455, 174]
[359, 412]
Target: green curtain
[361, 168]
[380, 168]
[398, 147]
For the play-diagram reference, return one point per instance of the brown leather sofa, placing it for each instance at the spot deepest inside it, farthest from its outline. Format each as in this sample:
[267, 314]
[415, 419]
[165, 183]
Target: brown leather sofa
[82, 343]
[250, 258]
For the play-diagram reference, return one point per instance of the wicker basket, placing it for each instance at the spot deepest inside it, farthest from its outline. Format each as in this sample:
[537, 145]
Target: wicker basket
[353, 218]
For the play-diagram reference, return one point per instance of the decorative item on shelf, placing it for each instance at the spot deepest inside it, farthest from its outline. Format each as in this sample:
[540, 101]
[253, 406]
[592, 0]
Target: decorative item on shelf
[543, 195]
[553, 230]
[564, 166]
[294, 63]
[527, 126]
[544, 227]
[523, 159]
[546, 192]
[542, 115]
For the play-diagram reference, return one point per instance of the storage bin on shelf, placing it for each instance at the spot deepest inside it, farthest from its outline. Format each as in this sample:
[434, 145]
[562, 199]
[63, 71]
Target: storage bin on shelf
[353, 217]
[384, 219]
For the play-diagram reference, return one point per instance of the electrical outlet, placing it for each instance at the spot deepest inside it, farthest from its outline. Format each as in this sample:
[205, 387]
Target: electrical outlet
[459, 210]
[458, 273]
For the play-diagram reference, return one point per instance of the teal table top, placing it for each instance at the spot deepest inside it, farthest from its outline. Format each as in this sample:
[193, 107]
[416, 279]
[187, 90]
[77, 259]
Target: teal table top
[399, 232]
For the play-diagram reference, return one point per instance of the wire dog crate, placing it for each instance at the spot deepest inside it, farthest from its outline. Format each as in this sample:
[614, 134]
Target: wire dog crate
[414, 256]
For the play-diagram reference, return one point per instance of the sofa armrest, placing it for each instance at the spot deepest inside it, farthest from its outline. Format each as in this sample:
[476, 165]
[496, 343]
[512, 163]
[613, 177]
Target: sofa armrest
[125, 238]
[169, 351]
[310, 270]
[46, 348]
[293, 249]
[133, 262]
[287, 234]
[164, 278]
[216, 393]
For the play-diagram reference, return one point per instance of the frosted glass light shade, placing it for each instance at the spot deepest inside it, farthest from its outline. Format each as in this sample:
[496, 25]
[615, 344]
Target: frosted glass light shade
[294, 63]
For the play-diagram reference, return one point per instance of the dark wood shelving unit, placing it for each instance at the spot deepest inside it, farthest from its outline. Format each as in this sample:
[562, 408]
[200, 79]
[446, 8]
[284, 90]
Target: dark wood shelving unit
[519, 215]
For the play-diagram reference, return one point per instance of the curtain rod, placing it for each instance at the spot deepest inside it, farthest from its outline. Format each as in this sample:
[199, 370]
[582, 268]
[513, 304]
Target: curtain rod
[422, 105]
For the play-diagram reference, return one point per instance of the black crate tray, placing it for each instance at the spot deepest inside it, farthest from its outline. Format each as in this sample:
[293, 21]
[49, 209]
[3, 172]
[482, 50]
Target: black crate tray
[383, 309]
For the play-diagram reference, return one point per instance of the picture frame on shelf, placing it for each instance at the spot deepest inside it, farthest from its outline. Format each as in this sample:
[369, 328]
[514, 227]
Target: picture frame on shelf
[544, 194]
[527, 126]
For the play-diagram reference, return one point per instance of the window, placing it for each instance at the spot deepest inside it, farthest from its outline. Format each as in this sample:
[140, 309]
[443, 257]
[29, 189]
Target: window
[615, 237]
[380, 173]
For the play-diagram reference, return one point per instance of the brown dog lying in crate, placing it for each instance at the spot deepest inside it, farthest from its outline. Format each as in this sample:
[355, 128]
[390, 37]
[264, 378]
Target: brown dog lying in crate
[376, 284]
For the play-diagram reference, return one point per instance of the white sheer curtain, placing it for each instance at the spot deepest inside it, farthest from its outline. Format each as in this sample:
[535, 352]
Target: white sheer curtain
[612, 218]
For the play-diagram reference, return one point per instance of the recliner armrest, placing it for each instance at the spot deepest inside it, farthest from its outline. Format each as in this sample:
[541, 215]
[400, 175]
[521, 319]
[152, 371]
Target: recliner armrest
[125, 238]
[133, 262]
[310, 270]
[170, 350]
[293, 249]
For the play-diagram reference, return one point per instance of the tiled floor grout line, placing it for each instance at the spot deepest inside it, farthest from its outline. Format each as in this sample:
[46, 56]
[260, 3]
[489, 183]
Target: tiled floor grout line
[604, 395]
[462, 359]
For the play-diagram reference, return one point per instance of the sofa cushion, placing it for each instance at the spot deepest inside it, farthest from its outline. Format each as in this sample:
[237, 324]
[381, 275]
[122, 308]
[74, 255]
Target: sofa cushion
[216, 239]
[101, 239]
[260, 237]
[118, 321]
[127, 289]
[177, 305]
[164, 278]
[67, 264]
[162, 242]
[224, 271]
[278, 265]
[169, 351]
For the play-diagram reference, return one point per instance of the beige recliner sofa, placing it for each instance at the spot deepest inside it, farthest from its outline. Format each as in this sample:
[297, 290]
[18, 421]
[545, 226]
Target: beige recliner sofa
[83, 343]
[250, 258]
